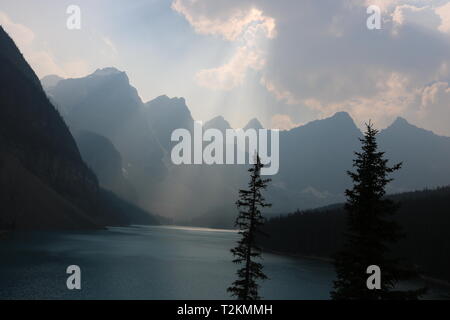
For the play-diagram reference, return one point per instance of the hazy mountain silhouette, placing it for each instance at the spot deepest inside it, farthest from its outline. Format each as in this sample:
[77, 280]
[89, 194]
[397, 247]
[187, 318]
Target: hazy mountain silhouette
[314, 157]
[218, 122]
[106, 104]
[106, 162]
[165, 115]
[253, 124]
[44, 182]
[50, 81]
[425, 156]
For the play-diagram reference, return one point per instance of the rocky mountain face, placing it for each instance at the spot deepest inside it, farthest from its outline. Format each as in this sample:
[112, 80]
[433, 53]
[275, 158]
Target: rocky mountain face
[106, 104]
[164, 115]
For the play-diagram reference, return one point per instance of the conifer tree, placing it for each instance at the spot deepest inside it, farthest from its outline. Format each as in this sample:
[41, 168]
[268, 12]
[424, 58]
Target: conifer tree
[370, 230]
[249, 222]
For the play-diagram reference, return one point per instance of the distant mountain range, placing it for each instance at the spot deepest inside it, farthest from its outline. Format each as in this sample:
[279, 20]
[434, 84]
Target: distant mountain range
[314, 157]
[44, 183]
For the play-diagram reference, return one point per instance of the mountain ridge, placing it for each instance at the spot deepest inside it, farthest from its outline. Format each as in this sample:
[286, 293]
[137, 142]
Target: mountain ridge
[253, 124]
[314, 159]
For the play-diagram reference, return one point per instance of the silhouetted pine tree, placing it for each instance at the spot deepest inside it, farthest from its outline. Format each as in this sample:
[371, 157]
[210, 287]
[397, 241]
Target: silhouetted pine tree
[249, 221]
[370, 230]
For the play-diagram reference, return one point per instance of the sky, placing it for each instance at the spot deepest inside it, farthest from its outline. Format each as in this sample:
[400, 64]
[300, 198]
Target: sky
[284, 62]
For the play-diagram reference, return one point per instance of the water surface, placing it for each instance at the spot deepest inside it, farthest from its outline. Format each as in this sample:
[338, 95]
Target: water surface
[146, 262]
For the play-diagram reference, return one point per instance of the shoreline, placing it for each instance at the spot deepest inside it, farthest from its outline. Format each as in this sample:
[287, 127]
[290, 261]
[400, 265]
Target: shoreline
[428, 279]
[299, 256]
[436, 281]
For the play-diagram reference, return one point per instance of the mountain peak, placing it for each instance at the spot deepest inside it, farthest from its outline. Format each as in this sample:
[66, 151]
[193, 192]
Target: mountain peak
[164, 99]
[400, 122]
[160, 98]
[166, 107]
[339, 122]
[110, 74]
[254, 124]
[342, 119]
[106, 72]
[218, 122]
[342, 115]
[50, 81]
[403, 128]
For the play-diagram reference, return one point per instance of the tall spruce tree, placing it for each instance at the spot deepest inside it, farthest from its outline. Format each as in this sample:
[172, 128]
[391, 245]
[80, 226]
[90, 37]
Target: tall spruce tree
[249, 222]
[370, 230]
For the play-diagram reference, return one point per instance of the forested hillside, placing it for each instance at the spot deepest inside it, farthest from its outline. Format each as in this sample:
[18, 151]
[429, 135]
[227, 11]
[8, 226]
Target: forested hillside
[423, 215]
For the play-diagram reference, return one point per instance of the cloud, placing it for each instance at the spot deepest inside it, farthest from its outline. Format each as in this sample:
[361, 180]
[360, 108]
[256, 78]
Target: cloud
[444, 14]
[434, 107]
[374, 75]
[394, 97]
[280, 93]
[232, 74]
[400, 12]
[111, 49]
[423, 16]
[22, 35]
[42, 61]
[282, 122]
[230, 25]
[323, 59]
[248, 27]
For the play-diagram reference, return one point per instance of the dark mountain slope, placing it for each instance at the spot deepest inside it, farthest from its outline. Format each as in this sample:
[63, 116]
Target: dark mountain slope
[104, 159]
[13, 57]
[33, 132]
[29, 204]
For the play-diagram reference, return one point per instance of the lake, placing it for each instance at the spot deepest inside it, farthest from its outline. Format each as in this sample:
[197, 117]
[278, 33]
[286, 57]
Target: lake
[146, 262]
